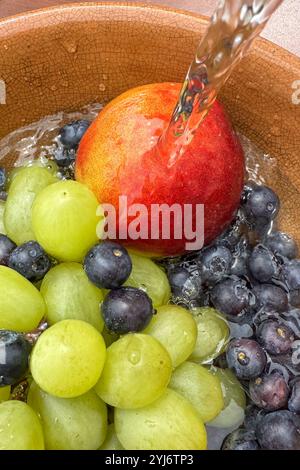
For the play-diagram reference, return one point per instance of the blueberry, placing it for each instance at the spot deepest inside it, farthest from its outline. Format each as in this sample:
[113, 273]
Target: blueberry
[294, 298]
[253, 415]
[279, 430]
[281, 244]
[215, 263]
[64, 157]
[291, 274]
[3, 177]
[294, 401]
[6, 247]
[241, 255]
[269, 392]
[30, 260]
[14, 355]
[270, 298]
[126, 309]
[230, 237]
[72, 133]
[262, 264]
[108, 265]
[177, 276]
[232, 296]
[275, 337]
[260, 204]
[240, 439]
[246, 358]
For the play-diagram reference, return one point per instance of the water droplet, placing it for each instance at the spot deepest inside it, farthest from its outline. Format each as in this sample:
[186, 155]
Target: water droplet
[134, 357]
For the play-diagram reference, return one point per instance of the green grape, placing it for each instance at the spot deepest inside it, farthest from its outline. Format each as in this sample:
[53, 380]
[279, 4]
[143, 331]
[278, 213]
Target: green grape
[213, 335]
[4, 393]
[2, 227]
[44, 162]
[200, 387]
[70, 423]
[69, 294]
[21, 305]
[25, 186]
[68, 358]
[64, 220]
[111, 442]
[234, 399]
[175, 328]
[136, 372]
[149, 277]
[169, 423]
[20, 428]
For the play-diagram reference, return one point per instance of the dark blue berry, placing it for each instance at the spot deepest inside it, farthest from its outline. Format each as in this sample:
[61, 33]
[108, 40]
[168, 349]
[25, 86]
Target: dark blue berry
[72, 133]
[30, 260]
[294, 401]
[3, 178]
[64, 157]
[294, 298]
[126, 310]
[291, 274]
[270, 298]
[260, 204]
[230, 237]
[281, 244]
[231, 296]
[275, 337]
[240, 439]
[178, 276]
[108, 265]
[262, 264]
[279, 430]
[253, 415]
[6, 247]
[215, 263]
[246, 358]
[241, 255]
[14, 354]
[269, 392]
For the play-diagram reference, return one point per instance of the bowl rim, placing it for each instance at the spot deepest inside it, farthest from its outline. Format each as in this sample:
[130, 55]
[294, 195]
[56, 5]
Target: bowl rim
[65, 7]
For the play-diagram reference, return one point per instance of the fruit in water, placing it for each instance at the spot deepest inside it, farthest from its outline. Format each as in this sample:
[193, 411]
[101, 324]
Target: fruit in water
[111, 441]
[269, 392]
[178, 277]
[107, 265]
[71, 134]
[4, 393]
[240, 439]
[215, 262]
[6, 247]
[246, 358]
[291, 274]
[275, 337]
[69, 294]
[169, 423]
[231, 297]
[68, 358]
[294, 400]
[149, 277]
[212, 336]
[64, 220]
[120, 146]
[20, 428]
[30, 260]
[270, 298]
[64, 157]
[21, 305]
[70, 423]
[234, 400]
[14, 355]
[2, 209]
[175, 328]
[126, 310]
[186, 287]
[136, 372]
[26, 185]
[198, 385]
[3, 178]
[260, 204]
[279, 430]
[282, 244]
[263, 264]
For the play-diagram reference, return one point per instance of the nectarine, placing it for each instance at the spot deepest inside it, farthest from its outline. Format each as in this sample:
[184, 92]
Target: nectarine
[119, 156]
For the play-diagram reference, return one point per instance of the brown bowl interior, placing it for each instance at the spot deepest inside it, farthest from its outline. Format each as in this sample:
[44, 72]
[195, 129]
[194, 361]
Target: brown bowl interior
[62, 58]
